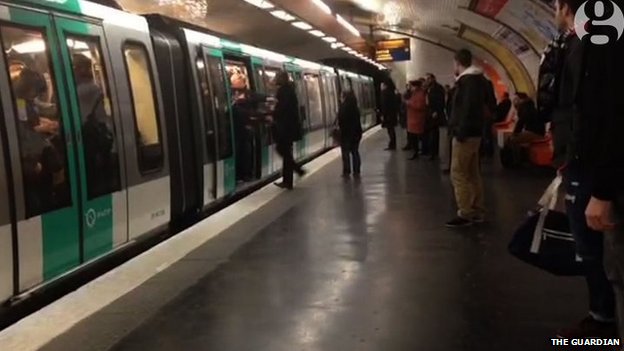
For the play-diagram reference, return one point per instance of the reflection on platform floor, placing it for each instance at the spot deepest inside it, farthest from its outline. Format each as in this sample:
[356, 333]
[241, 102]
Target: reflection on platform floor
[368, 265]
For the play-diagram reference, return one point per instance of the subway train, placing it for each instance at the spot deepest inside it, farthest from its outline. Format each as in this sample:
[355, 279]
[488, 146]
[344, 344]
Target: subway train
[117, 127]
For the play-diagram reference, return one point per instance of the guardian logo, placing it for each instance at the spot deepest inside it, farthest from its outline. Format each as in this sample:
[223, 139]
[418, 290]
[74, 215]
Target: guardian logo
[602, 20]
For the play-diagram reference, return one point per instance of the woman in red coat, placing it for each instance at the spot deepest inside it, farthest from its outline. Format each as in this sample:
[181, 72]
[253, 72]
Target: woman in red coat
[416, 115]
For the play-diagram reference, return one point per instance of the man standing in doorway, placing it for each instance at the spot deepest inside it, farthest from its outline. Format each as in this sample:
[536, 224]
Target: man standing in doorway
[466, 124]
[574, 127]
[287, 128]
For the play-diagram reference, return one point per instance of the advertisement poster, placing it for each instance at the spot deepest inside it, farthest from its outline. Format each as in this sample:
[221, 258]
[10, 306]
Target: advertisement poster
[532, 19]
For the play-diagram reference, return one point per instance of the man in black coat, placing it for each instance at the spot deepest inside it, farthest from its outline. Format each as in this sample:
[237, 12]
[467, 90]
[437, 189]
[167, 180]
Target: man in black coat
[350, 125]
[587, 103]
[389, 110]
[466, 124]
[436, 116]
[287, 128]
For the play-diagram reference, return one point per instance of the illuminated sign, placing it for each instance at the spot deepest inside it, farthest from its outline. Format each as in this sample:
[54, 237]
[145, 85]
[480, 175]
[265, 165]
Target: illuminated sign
[393, 50]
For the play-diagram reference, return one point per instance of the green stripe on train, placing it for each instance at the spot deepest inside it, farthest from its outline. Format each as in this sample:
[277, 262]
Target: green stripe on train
[65, 5]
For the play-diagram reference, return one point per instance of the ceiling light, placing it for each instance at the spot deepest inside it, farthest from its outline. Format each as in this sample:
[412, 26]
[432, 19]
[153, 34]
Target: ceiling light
[283, 15]
[263, 4]
[323, 6]
[337, 45]
[330, 39]
[348, 25]
[302, 25]
[317, 33]
[30, 47]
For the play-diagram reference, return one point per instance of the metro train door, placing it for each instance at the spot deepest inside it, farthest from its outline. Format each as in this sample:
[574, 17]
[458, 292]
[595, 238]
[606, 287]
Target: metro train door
[99, 148]
[40, 144]
[222, 112]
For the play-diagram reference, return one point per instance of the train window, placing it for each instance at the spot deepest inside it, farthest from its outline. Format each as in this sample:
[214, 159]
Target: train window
[149, 145]
[237, 74]
[39, 127]
[314, 100]
[269, 74]
[207, 103]
[224, 125]
[101, 152]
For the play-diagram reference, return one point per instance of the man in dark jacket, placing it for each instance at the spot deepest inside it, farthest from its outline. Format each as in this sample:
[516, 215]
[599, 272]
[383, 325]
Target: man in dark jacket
[466, 124]
[287, 128]
[576, 140]
[436, 97]
[389, 110]
[502, 109]
[602, 121]
[350, 125]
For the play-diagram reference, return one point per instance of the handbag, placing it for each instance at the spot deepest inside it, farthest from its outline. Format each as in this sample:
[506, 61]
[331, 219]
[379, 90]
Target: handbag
[544, 239]
[335, 133]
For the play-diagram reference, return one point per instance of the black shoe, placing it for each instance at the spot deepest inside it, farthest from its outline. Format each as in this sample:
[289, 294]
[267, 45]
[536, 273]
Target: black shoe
[589, 328]
[346, 175]
[415, 157]
[301, 172]
[458, 223]
[284, 185]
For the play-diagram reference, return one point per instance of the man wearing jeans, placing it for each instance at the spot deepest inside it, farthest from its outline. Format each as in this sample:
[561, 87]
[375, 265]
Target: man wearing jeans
[466, 125]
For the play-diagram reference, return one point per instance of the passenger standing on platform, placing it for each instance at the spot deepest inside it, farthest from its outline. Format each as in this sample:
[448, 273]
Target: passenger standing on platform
[436, 98]
[574, 130]
[389, 110]
[287, 127]
[602, 110]
[350, 126]
[416, 115]
[466, 125]
[529, 127]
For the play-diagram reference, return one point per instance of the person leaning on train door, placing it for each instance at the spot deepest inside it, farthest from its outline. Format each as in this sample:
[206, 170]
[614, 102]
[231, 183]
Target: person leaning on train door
[287, 128]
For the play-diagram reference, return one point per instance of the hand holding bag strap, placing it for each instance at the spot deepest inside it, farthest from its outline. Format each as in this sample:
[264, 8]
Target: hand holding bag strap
[548, 201]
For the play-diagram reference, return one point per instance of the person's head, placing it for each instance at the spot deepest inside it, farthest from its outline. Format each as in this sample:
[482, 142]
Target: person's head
[416, 85]
[83, 67]
[565, 10]
[430, 78]
[463, 60]
[30, 84]
[520, 98]
[282, 79]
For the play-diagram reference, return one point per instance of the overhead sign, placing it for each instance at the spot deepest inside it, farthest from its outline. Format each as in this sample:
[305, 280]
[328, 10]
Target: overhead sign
[393, 50]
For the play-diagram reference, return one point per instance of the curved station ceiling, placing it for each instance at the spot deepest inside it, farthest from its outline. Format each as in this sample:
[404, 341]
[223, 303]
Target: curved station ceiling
[507, 36]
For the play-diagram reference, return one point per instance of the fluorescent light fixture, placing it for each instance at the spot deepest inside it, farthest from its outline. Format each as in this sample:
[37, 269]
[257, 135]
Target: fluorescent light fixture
[263, 4]
[323, 6]
[348, 25]
[330, 39]
[30, 47]
[317, 33]
[302, 25]
[337, 45]
[283, 15]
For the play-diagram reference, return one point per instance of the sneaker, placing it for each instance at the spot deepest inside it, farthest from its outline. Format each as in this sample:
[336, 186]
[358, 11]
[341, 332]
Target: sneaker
[589, 328]
[284, 185]
[459, 223]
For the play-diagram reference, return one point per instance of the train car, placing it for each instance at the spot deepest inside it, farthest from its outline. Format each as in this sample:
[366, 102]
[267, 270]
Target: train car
[117, 127]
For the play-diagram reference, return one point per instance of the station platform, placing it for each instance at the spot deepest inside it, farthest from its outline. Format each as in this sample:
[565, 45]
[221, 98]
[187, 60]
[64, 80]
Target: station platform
[333, 265]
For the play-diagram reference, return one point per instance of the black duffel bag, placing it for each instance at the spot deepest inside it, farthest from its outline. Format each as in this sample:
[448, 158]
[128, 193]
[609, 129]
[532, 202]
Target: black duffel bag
[544, 239]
